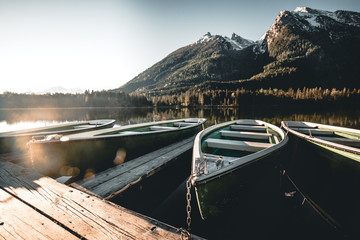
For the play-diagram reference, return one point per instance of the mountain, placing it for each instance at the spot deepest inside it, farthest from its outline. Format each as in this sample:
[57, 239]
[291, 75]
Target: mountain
[313, 48]
[212, 57]
[304, 47]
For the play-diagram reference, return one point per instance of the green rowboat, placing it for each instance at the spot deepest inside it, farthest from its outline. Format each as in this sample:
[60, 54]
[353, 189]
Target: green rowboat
[79, 154]
[232, 157]
[325, 166]
[16, 140]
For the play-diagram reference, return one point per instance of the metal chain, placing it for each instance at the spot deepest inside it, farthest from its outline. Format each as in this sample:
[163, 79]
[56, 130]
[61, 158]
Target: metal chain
[184, 235]
[188, 199]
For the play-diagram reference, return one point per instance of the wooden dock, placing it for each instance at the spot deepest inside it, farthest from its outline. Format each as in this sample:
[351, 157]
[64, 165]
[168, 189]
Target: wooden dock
[33, 206]
[114, 181]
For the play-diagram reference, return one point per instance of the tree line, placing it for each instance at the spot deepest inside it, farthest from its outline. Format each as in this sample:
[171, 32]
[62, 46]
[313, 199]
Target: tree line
[86, 99]
[230, 98]
[244, 97]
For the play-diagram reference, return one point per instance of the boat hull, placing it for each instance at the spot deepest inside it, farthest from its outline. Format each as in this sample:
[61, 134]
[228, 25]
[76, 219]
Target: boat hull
[220, 195]
[17, 140]
[329, 179]
[246, 176]
[99, 153]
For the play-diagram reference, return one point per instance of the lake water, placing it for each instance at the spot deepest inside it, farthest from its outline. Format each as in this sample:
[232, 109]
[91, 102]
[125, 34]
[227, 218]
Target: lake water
[11, 119]
[165, 193]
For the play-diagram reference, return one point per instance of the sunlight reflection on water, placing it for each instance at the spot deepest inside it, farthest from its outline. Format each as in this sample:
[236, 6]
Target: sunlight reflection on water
[5, 126]
[30, 118]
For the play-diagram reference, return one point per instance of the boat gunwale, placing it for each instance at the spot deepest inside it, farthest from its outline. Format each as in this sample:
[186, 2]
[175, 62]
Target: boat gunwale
[325, 143]
[39, 130]
[236, 163]
[123, 128]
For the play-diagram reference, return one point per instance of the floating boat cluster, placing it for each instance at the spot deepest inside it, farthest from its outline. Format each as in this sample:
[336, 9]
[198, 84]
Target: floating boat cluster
[103, 148]
[322, 161]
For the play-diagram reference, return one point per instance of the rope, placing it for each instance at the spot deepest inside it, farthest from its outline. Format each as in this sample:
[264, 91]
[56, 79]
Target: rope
[322, 215]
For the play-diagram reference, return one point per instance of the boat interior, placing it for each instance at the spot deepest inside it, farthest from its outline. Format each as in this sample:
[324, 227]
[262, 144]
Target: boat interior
[226, 145]
[327, 133]
[136, 129]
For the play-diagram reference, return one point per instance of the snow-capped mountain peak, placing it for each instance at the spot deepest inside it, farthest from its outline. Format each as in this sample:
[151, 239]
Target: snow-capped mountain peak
[236, 42]
[207, 37]
[321, 18]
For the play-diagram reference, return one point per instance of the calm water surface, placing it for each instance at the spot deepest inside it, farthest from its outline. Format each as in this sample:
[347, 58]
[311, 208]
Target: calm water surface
[26, 118]
[165, 192]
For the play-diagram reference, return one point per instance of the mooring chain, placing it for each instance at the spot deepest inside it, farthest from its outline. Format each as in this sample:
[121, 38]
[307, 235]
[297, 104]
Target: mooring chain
[188, 200]
[184, 234]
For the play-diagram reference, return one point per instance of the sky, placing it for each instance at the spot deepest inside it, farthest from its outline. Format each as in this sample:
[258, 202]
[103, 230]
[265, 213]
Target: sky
[102, 44]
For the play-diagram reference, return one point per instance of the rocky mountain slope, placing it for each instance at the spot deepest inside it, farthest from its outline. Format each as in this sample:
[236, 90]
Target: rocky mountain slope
[304, 47]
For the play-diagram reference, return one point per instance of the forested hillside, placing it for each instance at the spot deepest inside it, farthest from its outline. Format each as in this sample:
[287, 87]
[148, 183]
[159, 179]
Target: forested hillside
[59, 100]
[302, 48]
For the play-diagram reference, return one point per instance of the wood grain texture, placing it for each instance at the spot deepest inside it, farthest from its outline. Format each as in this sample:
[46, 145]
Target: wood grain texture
[19, 221]
[15, 157]
[117, 179]
[78, 212]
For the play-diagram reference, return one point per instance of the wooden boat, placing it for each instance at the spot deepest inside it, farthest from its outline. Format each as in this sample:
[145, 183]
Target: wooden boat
[325, 166]
[16, 140]
[99, 150]
[232, 157]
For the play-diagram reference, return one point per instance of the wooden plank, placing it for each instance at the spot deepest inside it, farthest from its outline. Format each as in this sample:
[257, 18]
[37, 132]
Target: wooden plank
[156, 128]
[250, 122]
[314, 131]
[19, 221]
[250, 135]
[183, 124]
[237, 145]
[248, 128]
[298, 124]
[128, 133]
[348, 135]
[113, 181]
[343, 141]
[14, 156]
[84, 215]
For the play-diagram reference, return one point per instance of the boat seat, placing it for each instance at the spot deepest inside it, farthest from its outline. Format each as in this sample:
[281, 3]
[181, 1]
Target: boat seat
[248, 122]
[250, 135]
[347, 135]
[157, 128]
[237, 145]
[183, 124]
[128, 133]
[248, 128]
[314, 131]
[343, 141]
[295, 124]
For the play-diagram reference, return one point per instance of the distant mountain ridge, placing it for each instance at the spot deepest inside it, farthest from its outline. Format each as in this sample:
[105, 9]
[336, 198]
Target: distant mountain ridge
[212, 57]
[304, 47]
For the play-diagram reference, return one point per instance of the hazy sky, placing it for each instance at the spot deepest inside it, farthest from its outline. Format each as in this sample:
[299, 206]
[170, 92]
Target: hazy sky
[103, 44]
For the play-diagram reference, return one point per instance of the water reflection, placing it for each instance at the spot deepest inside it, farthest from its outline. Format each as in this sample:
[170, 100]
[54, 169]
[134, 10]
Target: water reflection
[23, 118]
